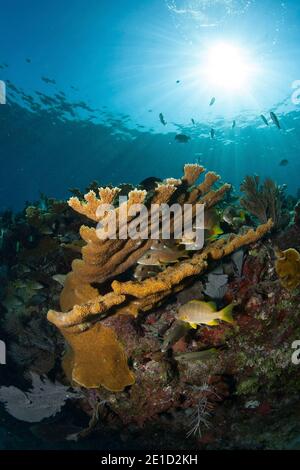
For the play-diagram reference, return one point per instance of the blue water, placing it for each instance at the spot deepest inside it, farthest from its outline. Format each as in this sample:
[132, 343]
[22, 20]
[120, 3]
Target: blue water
[123, 60]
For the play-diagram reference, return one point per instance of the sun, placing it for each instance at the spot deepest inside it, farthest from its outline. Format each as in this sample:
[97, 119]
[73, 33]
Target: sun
[228, 67]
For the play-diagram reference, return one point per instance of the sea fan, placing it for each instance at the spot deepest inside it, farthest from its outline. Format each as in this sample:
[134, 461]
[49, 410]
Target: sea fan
[44, 399]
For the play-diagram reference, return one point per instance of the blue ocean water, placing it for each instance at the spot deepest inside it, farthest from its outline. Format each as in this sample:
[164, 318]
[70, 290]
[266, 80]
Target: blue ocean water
[86, 82]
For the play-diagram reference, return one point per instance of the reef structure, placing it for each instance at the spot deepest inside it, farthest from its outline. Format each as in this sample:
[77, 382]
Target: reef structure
[93, 291]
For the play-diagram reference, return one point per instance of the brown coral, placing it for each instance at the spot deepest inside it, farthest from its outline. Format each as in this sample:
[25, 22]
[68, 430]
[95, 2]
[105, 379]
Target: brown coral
[104, 259]
[173, 276]
[96, 357]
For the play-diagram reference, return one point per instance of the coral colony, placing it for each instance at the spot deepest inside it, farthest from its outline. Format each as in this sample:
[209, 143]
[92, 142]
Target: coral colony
[186, 340]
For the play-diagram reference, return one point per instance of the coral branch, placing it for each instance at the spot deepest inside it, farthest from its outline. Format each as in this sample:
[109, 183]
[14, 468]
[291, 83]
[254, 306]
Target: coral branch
[196, 265]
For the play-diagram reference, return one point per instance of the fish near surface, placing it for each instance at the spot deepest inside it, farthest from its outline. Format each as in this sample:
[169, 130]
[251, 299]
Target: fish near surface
[197, 312]
[264, 119]
[275, 120]
[162, 119]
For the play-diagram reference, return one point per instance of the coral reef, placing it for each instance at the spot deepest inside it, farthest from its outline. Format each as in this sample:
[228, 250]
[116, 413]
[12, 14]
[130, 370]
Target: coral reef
[221, 387]
[105, 259]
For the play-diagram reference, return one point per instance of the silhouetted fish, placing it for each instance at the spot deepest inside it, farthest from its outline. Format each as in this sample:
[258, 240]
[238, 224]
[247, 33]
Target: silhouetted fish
[212, 101]
[182, 138]
[275, 119]
[48, 80]
[212, 133]
[233, 124]
[284, 162]
[162, 119]
[193, 121]
[264, 119]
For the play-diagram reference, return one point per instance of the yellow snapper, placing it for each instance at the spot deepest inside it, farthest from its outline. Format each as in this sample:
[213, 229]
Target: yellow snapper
[197, 312]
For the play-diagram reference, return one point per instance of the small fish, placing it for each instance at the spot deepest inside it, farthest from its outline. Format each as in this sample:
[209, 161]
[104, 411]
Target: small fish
[264, 119]
[196, 356]
[162, 119]
[60, 278]
[177, 81]
[197, 312]
[212, 225]
[193, 121]
[233, 124]
[174, 333]
[275, 120]
[162, 256]
[182, 138]
[212, 133]
[284, 162]
[212, 229]
[212, 101]
[28, 61]
[48, 80]
[142, 272]
[231, 213]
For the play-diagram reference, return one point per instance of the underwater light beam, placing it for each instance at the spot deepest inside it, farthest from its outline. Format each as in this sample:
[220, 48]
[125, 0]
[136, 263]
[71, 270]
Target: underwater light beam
[227, 67]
